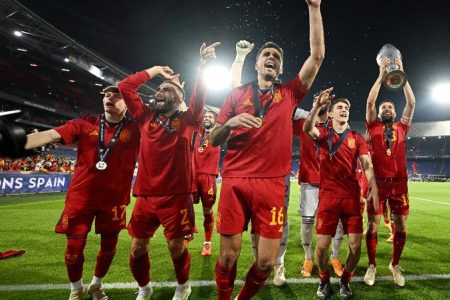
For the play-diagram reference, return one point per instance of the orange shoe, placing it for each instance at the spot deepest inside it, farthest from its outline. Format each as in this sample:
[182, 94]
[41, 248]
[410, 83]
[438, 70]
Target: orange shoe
[307, 268]
[337, 266]
[206, 249]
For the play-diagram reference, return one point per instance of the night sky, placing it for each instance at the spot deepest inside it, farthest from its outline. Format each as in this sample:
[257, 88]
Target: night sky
[138, 34]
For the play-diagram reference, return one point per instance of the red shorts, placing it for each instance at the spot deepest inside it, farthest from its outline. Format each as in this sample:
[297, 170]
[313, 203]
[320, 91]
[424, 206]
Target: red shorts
[175, 213]
[76, 219]
[205, 189]
[330, 210]
[395, 193]
[260, 200]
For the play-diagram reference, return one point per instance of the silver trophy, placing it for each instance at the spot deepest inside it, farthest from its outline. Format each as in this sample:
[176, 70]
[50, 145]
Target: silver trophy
[395, 78]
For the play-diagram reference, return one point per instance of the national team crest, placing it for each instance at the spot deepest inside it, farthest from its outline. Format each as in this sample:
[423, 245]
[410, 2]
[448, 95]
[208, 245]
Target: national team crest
[94, 132]
[153, 124]
[351, 143]
[175, 124]
[277, 96]
[125, 136]
[247, 102]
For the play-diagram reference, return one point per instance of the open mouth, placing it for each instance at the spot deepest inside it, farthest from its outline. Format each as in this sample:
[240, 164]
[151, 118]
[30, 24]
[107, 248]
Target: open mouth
[109, 104]
[270, 65]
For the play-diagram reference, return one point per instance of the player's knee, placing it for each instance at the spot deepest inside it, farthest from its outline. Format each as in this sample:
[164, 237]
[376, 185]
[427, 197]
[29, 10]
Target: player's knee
[138, 247]
[207, 210]
[265, 265]
[355, 246]
[228, 257]
[372, 226]
[176, 247]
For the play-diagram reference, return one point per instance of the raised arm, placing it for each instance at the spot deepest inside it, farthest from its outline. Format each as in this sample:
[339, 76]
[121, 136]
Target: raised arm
[312, 64]
[408, 112]
[42, 138]
[323, 100]
[198, 97]
[242, 49]
[371, 110]
[366, 163]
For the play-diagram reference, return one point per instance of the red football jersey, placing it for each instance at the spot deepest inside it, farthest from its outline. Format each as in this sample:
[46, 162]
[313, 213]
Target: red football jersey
[388, 166]
[264, 151]
[338, 175]
[89, 186]
[206, 157]
[164, 156]
[309, 171]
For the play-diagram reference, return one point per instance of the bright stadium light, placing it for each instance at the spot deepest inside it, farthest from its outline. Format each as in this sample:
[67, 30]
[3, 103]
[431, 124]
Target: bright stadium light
[17, 33]
[441, 92]
[217, 77]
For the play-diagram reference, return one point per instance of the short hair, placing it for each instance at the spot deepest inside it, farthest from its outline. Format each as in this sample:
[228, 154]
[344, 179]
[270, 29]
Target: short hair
[338, 100]
[110, 88]
[387, 101]
[177, 86]
[270, 45]
[213, 113]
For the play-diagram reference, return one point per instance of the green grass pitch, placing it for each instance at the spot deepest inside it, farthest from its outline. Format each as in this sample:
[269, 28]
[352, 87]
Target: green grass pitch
[27, 222]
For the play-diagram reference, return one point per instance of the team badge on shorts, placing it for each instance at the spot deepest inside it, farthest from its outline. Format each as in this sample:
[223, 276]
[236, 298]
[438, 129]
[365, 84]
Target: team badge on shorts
[319, 223]
[351, 143]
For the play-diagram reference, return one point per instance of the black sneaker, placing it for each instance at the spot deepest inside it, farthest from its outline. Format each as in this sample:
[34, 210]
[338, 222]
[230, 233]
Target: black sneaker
[324, 290]
[344, 291]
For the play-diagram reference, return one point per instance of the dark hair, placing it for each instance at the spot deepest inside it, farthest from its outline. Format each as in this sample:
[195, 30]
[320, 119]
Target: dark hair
[111, 88]
[387, 101]
[269, 45]
[213, 113]
[337, 100]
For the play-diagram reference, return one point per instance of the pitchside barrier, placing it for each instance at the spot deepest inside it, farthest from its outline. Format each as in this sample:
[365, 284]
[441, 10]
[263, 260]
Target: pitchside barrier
[12, 183]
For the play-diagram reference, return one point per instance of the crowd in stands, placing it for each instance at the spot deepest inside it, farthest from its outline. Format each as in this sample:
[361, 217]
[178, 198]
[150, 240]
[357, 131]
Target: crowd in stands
[46, 162]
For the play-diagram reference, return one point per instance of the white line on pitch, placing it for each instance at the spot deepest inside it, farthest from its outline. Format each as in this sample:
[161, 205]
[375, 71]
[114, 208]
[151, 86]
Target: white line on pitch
[428, 200]
[31, 203]
[203, 283]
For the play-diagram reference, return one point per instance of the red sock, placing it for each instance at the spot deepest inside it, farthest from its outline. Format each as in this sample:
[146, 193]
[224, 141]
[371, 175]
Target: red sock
[346, 276]
[140, 267]
[106, 254]
[371, 243]
[324, 276]
[208, 224]
[253, 283]
[74, 257]
[399, 243]
[225, 280]
[182, 266]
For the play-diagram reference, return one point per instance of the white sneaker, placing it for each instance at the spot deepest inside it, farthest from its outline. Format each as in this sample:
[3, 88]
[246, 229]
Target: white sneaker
[76, 295]
[145, 294]
[182, 291]
[96, 292]
[279, 277]
[397, 274]
[369, 278]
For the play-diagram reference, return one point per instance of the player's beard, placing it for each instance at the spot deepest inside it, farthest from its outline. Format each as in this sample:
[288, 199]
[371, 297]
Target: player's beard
[387, 120]
[208, 125]
[165, 108]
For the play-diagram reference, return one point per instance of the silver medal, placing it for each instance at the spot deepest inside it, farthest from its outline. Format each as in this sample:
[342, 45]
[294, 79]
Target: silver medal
[101, 165]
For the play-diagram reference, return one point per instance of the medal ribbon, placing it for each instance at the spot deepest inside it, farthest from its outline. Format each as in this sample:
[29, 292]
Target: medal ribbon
[203, 140]
[388, 136]
[333, 149]
[102, 153]
[166, 125]
[258, 112]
